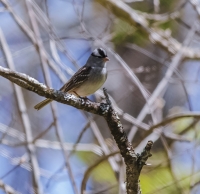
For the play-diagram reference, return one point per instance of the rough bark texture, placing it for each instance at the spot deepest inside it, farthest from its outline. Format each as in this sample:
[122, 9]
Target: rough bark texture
[134, 162]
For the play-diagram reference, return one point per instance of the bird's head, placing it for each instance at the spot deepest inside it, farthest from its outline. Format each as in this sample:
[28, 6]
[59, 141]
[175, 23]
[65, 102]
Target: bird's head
[98, 58]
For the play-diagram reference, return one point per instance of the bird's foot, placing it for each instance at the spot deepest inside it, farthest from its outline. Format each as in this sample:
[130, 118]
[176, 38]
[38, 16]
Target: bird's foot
[84, 98]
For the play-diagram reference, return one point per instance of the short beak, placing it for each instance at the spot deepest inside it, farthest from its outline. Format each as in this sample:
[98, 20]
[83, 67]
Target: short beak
[106, 59]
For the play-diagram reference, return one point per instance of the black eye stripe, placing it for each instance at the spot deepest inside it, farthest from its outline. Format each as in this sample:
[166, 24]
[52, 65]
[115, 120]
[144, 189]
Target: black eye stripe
[97, 56]
[99, 53]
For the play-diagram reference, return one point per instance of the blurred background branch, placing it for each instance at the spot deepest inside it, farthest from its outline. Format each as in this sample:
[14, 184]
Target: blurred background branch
[153, 85]
[134, 163]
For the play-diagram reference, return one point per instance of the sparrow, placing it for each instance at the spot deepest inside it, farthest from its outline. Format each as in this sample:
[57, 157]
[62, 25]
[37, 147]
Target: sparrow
[87, 80]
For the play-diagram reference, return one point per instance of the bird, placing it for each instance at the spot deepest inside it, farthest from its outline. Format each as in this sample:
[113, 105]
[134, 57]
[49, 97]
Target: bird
[87, 80]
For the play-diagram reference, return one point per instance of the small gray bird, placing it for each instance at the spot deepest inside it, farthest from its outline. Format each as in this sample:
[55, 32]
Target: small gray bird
[88, 79]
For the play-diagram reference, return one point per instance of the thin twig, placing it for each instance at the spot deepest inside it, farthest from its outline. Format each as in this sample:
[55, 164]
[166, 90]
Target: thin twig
[25, 118]
[30, 34]
[91, 168]
[8, 188]
[156, 35]
[48, 81]
[161, 88]
[113, 121]
[174, 117]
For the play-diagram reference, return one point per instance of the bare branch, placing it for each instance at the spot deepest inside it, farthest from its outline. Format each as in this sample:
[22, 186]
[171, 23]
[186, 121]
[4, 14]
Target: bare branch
[87, 125]
[176, 137]
[127, 151]
[8, 188]
[196, 6]
[156, 35]
[174, 117]
[91, 168]
[158, 132]
[104, 190]
[25, 118]
[33, 85]
[32, 37]
[105, 110]
[161, 87]
[53, 54]
[12, 132]
[42, 18]
[44, 62]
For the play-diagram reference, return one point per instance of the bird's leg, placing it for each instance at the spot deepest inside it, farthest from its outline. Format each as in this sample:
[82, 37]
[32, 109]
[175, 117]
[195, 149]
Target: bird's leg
[76, 94]
[83, 98]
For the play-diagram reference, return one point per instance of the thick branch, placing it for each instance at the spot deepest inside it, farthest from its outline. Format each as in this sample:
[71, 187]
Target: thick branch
[134, 162]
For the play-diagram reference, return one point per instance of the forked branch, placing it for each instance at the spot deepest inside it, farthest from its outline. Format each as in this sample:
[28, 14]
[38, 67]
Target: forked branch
[134, 162]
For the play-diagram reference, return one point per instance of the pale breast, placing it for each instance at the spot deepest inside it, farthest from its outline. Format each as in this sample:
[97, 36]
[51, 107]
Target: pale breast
[95, 81]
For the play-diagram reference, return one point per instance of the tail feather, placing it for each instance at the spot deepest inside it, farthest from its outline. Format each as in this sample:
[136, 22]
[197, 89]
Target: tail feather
[42, 104]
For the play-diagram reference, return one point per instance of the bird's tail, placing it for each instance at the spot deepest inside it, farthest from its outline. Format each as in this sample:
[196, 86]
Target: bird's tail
[42, 104]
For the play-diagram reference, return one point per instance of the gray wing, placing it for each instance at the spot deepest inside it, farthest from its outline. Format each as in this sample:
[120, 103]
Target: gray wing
[77, 79]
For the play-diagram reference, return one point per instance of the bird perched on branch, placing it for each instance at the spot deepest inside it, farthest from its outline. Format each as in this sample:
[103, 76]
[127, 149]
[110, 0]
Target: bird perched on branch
[88, 79]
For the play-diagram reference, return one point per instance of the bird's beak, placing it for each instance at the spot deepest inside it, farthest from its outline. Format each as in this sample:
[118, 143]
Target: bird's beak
[106, 59]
